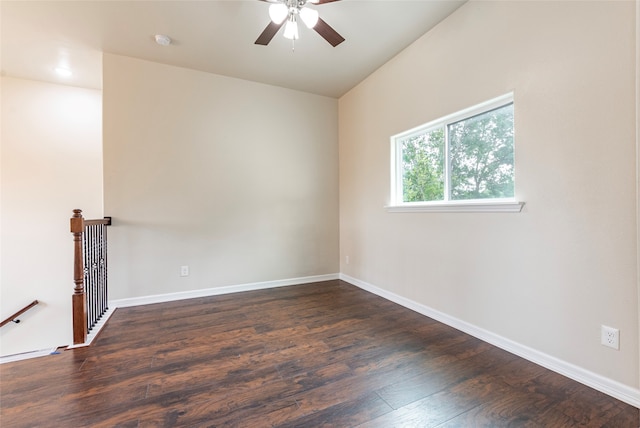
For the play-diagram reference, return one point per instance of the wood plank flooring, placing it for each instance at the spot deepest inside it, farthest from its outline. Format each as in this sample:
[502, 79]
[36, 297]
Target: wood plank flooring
[316, 355]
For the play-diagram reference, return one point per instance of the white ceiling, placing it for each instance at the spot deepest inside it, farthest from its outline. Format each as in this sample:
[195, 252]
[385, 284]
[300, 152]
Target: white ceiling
[212, 36]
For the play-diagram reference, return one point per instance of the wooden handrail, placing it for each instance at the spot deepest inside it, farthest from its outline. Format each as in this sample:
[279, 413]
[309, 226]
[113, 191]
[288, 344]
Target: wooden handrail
[20, 312]
[106, 221]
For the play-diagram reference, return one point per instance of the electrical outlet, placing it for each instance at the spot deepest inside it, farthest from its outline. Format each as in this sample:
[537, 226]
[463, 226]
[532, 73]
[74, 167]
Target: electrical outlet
[346, 259]
[610, 337]
[184, 270]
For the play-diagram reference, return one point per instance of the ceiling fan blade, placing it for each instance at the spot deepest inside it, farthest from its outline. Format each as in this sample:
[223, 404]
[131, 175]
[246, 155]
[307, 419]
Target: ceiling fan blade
[329, 34]
[268, 33]
[321, 1]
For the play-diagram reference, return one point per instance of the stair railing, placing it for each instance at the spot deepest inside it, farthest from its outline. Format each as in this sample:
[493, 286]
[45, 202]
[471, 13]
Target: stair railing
[90, 293]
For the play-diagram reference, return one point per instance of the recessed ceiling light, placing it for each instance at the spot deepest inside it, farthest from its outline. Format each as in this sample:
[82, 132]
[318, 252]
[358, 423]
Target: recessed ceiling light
[63, 72]
[163, 40]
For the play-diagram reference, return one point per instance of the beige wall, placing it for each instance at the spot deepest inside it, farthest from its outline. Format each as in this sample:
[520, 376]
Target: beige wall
[235, 179]
[548, 277]
[51, 163]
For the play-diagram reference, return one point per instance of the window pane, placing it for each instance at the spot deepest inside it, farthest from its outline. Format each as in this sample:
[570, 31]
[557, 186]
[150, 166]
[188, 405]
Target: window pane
[423, 167]
[481, 153]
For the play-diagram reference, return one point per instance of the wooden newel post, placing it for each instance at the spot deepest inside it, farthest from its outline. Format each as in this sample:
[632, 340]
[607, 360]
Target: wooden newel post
[78, 299]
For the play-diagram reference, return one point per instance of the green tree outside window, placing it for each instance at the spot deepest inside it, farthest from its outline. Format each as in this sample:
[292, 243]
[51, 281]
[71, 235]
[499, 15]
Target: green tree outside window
[481, 159]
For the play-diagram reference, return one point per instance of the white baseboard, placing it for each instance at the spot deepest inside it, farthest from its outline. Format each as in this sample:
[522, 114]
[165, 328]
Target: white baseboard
[96, 328]
[600, 383]
[92, 335]
[27, 355]
[169, 297]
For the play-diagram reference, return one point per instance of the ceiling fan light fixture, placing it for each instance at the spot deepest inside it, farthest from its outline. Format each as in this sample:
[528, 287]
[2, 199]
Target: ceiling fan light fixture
[278, 12]
[291, 29]
[309, 17]
[285, 13]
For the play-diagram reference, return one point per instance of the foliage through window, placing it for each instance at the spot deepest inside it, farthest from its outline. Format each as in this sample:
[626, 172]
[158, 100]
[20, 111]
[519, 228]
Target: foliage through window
[462, 157]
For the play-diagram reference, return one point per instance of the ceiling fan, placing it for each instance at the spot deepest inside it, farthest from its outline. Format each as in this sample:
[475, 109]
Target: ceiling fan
[287, 12]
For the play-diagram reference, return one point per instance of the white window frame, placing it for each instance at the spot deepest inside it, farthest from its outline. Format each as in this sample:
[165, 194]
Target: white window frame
[396, 204]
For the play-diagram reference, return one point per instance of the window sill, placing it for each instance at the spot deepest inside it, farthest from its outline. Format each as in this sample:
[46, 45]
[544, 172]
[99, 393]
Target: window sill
[459, 207]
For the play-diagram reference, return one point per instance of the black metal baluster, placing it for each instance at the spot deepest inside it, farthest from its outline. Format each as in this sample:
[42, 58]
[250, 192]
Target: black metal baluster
[88, 280]
[87, 272]
[104, 267]
[95, 256]
[91, 282]
[100, 261]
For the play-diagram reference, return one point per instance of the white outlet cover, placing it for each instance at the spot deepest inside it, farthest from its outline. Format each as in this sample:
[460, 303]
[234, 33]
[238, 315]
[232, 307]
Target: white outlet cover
[610, 337]
[184, 270]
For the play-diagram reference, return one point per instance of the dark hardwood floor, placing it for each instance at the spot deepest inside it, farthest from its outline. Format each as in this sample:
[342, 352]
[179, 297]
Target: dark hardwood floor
[326, 354]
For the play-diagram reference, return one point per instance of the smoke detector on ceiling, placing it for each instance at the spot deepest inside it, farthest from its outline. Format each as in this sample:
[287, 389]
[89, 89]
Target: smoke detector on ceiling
[163, 40]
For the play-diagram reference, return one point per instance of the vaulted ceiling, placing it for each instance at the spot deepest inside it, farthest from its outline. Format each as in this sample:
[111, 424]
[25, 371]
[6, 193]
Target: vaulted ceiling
[211, 36]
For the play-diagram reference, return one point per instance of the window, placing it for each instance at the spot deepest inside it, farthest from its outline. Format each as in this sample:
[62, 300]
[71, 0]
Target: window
[462, 162]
